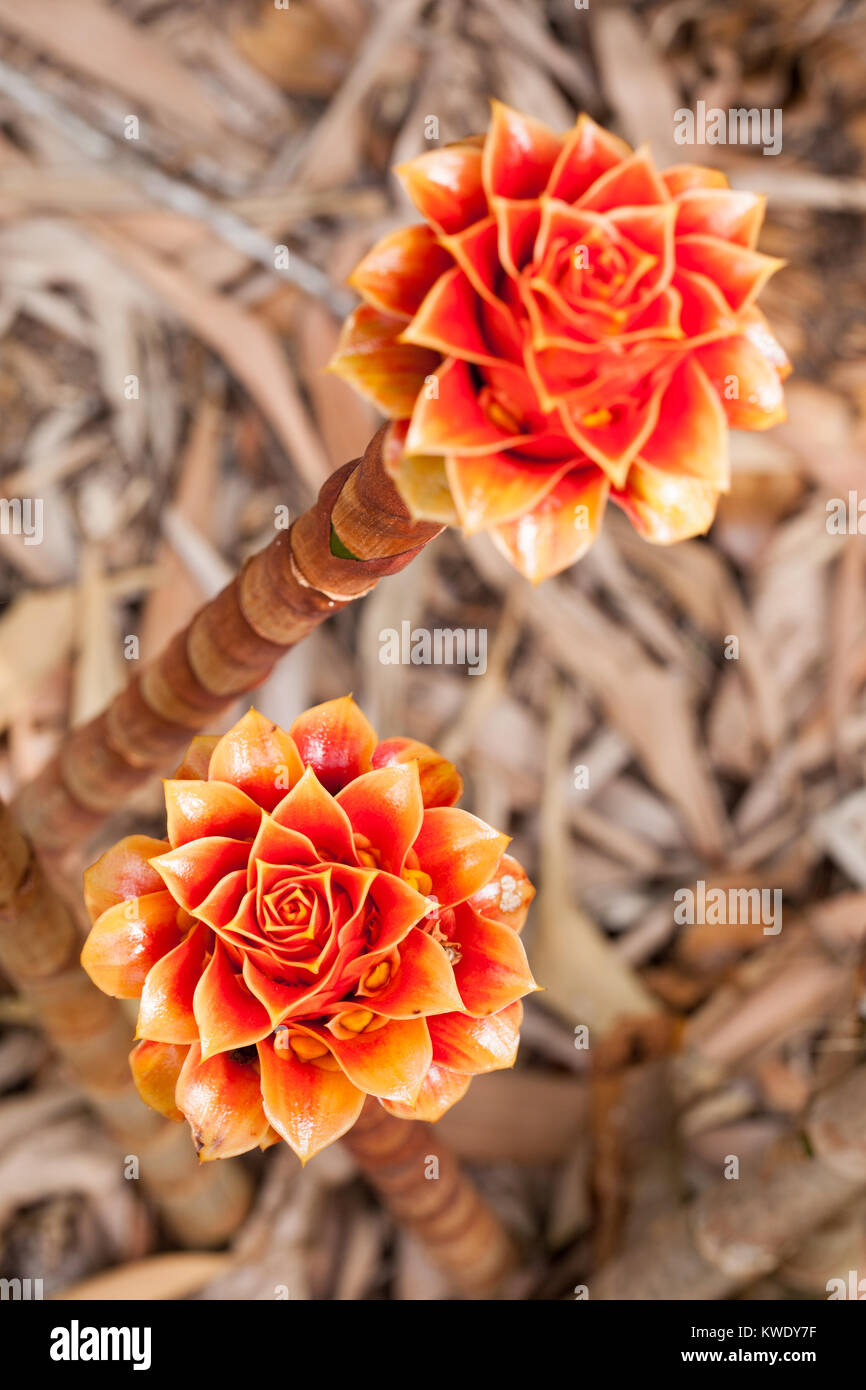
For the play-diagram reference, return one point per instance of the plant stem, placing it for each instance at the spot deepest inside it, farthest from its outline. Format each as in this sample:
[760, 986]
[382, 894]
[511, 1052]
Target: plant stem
[229, 647]
[436, 1202]
[358, 531]
[39, 950]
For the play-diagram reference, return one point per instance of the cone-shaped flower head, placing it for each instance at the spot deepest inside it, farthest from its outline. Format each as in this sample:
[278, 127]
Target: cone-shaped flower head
[321, 924]
[568, 325]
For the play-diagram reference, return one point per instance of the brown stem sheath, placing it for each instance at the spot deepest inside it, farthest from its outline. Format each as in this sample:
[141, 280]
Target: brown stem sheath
[39, 950]
[739, 1230]
[229, 647]
[438, 1204]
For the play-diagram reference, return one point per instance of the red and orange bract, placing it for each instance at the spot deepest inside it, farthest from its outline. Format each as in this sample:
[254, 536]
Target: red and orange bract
[568, 325]
[321, 924]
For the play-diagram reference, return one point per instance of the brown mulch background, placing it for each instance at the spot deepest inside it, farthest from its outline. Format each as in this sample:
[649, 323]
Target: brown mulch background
[161, 388]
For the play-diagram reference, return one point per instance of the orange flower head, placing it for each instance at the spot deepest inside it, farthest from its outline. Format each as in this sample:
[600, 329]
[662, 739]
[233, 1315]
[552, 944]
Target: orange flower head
[322, 924]
[567, 325]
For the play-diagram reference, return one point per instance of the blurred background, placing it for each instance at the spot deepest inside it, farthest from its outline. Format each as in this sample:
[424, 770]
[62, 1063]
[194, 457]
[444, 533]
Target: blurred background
[162, 391]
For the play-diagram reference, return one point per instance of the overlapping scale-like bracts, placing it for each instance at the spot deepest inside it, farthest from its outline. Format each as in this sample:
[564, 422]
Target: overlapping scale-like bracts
[567, 326]
[321, 924]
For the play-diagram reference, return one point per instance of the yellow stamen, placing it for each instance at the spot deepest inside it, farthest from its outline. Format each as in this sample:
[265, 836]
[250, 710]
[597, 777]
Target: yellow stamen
[597, 417]
[357, 1020]
[497, 413]
[367, 852]
[378, 976]
[417, 879]
[307, 1049]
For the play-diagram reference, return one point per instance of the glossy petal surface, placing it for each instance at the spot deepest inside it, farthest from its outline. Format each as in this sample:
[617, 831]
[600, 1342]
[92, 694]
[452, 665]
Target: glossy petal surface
[589, 329]
[308, 925]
